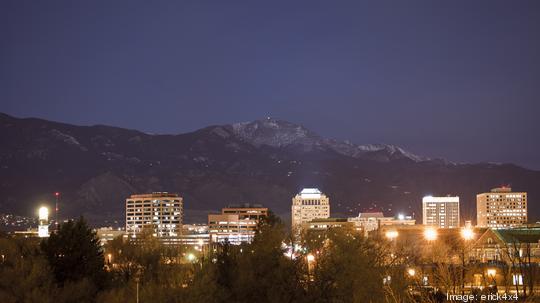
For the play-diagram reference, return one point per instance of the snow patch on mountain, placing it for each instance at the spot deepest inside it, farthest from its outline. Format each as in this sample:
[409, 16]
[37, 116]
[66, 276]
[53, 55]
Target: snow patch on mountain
[274, 133]
[277, 133]
[219, 131]
[70, 140]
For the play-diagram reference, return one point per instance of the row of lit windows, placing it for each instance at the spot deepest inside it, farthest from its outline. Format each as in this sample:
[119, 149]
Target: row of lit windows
[499, 216]
[506, 200]
[232, 223]
[162, 216]
[131, 222]
[169, 225]
[152, 201]
[177, 213]
[516, 212]
[505, 204]
[507, 196]
[313, 202]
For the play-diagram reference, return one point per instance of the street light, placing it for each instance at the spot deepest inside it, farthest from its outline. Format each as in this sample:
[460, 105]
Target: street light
[467, 234]
[411, 272]
[310, 259]
[391, 234]
[430, 234]
[191, 257]
[491, 272]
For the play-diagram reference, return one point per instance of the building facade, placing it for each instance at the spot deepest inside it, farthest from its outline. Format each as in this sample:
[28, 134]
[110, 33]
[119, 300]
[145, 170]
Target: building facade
[235, 224]
[159, 213]
[309, 204]
[195, 235]
[368, 222]
[441, 212]
[107, 234]
[326, 224]
[247, 211]
[508, 245]
[501, 208]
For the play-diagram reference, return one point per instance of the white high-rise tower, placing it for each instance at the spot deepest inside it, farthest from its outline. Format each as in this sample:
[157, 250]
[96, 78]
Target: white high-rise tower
[43, 228]
[309, 204]
[441, 212]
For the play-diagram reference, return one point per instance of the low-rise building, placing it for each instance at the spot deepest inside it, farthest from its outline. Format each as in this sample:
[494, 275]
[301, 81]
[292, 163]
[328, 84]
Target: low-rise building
[235, 224]
[195, 235]
[508, 245]
[246, 211]
[323, 224]
[106, 234]
[371, 221]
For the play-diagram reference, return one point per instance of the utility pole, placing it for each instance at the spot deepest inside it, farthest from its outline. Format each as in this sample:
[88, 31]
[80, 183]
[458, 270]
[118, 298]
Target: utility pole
[57, 195]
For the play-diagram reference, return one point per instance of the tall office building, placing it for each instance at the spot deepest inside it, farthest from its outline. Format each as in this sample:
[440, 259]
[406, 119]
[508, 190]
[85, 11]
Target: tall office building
[309, 204]
[160, 213]
[501, 208]
[441, 212]
[236, 224]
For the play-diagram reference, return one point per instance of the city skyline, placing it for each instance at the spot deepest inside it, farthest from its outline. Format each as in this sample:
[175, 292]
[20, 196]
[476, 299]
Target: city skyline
[240, 151]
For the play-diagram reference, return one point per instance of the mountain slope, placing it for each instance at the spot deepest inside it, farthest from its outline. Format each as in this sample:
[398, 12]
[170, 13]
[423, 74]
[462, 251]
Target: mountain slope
[265, 161]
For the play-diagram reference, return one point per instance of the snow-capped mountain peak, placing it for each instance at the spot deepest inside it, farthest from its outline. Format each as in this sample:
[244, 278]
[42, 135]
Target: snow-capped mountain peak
[275, 133]
[279, 133]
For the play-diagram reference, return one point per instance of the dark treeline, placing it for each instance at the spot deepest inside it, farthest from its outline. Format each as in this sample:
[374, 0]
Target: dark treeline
[334, 266]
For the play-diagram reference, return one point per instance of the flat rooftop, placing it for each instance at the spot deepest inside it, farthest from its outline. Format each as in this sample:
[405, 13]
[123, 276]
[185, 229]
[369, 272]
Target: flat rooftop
[154, 195]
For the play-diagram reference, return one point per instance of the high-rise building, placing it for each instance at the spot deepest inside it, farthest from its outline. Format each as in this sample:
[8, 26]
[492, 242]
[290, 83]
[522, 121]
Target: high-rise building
[235, 224]
[501, 208]
[441, 212]
[160, 213]
[309, 204]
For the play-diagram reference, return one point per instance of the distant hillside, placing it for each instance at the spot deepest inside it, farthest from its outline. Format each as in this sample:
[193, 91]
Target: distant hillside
[265, 161]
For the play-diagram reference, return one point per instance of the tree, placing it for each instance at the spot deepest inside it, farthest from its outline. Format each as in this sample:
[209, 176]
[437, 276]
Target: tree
[74, 254]
[24, 274]
[349, 268]
[264, 273]
[254, 272]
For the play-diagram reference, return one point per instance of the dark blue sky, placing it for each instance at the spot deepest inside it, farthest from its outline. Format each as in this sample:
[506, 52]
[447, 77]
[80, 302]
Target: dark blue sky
[453, 79]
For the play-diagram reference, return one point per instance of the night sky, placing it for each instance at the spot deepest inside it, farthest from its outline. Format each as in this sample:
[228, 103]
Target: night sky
[459, 79]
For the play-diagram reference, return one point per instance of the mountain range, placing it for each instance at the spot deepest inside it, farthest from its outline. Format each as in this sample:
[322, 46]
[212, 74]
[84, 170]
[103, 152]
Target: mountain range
[265, 162]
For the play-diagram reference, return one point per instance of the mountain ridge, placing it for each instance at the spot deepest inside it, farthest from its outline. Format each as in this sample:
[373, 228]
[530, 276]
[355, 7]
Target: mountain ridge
[264, 161]
[338, 145]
